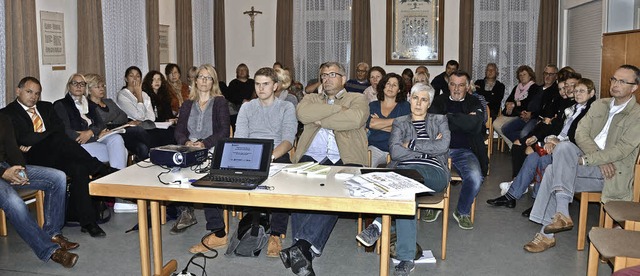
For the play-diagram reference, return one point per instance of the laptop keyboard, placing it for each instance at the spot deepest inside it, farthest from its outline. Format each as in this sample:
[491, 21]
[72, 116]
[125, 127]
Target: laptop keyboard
[233, 179]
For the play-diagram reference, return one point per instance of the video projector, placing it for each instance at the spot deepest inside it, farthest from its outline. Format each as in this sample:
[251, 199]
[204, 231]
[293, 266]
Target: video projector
[177, 156]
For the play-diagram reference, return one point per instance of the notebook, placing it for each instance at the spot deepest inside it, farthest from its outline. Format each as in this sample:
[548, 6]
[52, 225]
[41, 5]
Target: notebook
[238, 163]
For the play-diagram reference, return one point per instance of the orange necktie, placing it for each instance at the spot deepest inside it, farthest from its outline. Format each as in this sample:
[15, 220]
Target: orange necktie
[37, 121]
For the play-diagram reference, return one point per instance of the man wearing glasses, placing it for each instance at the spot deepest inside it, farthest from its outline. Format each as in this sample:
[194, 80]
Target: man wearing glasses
[334, 134]
[602, 159]
[361, 82]
[467, 149]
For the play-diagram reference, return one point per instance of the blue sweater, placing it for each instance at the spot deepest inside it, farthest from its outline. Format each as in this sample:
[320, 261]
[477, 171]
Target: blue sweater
[380, 138]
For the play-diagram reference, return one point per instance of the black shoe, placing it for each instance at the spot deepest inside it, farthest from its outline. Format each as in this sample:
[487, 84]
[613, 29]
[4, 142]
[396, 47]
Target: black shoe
[527, 212]
[502, 201]
[94, 230]
[292, 257]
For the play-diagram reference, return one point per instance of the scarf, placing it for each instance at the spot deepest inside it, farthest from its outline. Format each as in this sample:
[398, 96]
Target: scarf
[83, 106]
[522, 91]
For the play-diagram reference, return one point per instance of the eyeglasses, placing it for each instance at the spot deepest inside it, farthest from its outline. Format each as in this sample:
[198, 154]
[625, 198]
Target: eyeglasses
[615, 81]
[78, 84]
[330, 75]
[204, 78]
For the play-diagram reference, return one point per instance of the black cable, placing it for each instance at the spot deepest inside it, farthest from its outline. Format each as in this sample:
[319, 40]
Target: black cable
[201, 255]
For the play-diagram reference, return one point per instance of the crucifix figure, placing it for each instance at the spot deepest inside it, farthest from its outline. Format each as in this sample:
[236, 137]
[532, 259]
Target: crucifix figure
[252, 13]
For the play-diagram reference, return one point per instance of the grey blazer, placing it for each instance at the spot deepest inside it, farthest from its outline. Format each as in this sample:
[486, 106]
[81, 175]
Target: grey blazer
[402, 131]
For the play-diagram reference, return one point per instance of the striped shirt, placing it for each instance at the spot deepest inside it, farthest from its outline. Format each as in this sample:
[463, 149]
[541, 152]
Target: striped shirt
[425, 159]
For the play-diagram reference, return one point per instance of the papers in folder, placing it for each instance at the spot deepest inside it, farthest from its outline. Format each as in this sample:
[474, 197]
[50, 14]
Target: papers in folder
[383, 184]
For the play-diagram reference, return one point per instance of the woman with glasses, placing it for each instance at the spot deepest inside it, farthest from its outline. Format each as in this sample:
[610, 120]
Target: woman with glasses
[375, 75]
[204, 119]
[83, 124]
[162, 98]
[391, 103]
[136, 139]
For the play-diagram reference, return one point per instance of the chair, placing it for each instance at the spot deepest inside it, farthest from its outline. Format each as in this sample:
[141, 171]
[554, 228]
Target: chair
[626, 213]
[489, 126]
[616, 245]
[29, 196]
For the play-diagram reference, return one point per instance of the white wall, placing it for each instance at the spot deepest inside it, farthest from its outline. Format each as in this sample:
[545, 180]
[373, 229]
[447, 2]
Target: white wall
[167, 15]
[238, 35]
[54, 82]
[378, 37]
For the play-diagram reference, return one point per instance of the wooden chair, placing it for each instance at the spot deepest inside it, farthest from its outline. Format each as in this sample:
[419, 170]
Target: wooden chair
[29, 196]
[618, 246]
[489, 126]
[626, 213]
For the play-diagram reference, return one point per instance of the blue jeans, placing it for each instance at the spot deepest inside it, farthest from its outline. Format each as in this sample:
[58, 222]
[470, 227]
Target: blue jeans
[406, 232]
[54, 184]
[518, 128]
[527, 173]
[467, 165]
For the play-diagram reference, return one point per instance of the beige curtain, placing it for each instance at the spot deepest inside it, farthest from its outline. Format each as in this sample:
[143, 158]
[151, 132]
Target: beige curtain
[465, 52]
[547, 45]
[152, 11]
[284, 34]
[90, 39]
[22, 49]
[219, 41]
[184, 36]
[360, 34]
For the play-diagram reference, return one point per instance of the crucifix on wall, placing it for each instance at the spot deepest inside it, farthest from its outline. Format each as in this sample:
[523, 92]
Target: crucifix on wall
[252, 13]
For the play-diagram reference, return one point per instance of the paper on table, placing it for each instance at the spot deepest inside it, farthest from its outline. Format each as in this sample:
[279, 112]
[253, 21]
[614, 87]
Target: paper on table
[427, 258]
[383, 184]
[276, 168]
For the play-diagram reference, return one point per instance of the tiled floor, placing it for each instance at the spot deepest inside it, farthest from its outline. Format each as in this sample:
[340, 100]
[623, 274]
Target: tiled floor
[493, 247]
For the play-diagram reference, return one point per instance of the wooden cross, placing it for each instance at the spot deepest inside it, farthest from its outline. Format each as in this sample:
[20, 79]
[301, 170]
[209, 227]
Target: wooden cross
[252, 13]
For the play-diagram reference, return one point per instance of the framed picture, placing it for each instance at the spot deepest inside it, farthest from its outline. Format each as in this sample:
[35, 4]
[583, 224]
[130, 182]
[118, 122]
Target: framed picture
[415, 32]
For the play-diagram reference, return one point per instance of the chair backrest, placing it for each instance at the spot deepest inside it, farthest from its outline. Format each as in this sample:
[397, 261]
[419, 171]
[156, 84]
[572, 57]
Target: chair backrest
[636, 181]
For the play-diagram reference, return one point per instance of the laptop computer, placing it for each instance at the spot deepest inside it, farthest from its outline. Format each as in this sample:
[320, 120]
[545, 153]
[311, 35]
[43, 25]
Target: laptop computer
[238, 163]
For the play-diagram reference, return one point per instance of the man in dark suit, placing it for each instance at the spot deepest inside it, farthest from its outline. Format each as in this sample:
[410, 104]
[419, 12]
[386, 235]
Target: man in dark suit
[47, 242]
[40, 135]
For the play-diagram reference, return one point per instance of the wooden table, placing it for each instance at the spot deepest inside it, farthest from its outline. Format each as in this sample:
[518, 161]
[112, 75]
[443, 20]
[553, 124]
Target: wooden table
[291, 191]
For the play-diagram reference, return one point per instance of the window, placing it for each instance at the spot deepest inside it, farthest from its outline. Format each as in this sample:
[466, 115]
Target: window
[321, 33]
[506, 33]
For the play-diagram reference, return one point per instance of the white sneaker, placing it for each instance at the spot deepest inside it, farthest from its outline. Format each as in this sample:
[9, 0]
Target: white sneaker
[504, 187]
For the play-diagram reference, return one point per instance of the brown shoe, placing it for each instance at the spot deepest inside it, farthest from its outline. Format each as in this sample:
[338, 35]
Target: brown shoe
[559, 223]
[64, 242]
[540, 243]
[64, 257]
[212, 242]
[274, 246]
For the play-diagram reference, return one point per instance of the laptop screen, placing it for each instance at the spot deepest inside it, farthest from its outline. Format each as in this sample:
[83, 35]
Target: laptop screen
[245, 156]
[242, 155]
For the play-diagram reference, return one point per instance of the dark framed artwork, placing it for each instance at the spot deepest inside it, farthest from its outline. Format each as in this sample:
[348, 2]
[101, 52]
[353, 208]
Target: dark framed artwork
[415, 32]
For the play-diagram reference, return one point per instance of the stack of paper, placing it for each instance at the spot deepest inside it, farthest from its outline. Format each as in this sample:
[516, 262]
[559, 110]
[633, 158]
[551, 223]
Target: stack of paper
[294, 168]
[308, 168]
[383, 184]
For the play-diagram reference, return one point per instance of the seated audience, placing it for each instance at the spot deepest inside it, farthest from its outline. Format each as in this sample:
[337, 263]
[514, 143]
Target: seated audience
[204, 119]
[361, 82]
[407, 78]
[162, 98]
[136, 139]
[423, 69]
[440, 82]
[40, 134]
[334, 134]
[284, 83]
[47, 242]
[521, 109]
[419, 141]
[602, 159]
[240, 91]
[83, 124]
[375, 75]
[132, 100]
[538, 161]
[467, 149]
[179, 89]
[421, 78]
[550, 89]
[391, 104]
[491, 89]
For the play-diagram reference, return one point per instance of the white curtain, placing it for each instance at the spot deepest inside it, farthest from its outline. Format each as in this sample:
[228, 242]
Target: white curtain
[3, 61]
[321, 33]
[505, 33]
[125, 41]
[202, 17]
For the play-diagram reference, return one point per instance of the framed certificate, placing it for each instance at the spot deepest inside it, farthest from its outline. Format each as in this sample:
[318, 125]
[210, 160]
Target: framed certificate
[415, 32]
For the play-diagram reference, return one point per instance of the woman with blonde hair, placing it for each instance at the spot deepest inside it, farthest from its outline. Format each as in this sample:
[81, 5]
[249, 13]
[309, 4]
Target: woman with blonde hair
[84, 125]
[284, 82]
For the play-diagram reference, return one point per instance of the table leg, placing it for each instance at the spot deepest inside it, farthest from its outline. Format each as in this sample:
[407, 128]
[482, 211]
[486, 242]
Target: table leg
[384, 242]
[143, 233]
[156, 236]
